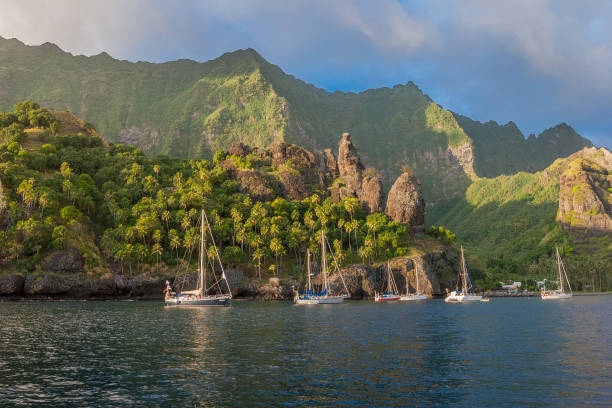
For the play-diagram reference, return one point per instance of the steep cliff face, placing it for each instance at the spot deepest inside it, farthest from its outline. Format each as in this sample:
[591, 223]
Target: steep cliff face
[330, 163]
[372, 194]
[585, 194]
[296, 172]
[349, 165]
[355, 181]
[405, 202]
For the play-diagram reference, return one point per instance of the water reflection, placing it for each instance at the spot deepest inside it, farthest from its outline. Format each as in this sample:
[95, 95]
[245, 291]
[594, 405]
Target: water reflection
[508, 352]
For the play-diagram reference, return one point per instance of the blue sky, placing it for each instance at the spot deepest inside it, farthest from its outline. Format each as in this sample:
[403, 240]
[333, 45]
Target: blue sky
[535, 62]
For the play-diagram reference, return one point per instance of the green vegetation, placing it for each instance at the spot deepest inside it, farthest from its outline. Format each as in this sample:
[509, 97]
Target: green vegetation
[504, 150]
[509, 228]
[190, 110]
[125, 211]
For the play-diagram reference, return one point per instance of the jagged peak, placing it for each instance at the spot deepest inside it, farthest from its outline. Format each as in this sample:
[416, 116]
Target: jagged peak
[51, 46]
[12, 40]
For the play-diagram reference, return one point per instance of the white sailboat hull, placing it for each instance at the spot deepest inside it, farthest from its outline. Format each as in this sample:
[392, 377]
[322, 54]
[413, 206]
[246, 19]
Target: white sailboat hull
[197, 301]
[550, 295]
[318, 300]
[411, 296]
[455, 297]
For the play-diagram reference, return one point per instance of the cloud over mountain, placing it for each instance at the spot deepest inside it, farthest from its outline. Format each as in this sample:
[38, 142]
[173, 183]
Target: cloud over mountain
[536, 62]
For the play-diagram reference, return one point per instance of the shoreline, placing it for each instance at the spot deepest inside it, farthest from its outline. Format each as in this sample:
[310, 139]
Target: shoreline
[257, 299]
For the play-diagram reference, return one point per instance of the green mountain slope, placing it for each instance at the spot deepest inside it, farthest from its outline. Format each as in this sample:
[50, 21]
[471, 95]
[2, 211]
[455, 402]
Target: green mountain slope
[512, 223]
[63, 191]
[504, 150]
[188, 109]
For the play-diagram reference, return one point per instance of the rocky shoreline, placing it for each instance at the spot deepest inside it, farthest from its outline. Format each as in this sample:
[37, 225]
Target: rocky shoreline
[436, 269]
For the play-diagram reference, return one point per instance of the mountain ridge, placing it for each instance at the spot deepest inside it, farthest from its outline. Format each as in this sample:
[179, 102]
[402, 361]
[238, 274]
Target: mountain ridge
[191, 109]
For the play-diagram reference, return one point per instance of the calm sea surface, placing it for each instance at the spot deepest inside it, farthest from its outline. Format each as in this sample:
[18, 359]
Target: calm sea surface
[508, 352]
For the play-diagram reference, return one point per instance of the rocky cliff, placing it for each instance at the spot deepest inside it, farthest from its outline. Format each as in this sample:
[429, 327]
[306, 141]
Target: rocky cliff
[349, 166]
[282, 169]
[298, 173]
[355, 180]
[437, 271]
[405, 202]
[585, 193]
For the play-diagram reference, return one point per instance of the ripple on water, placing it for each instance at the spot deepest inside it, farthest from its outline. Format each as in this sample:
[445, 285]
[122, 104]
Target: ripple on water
[505, 353]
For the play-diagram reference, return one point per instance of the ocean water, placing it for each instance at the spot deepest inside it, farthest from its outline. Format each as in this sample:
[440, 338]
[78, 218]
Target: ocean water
[509, 352]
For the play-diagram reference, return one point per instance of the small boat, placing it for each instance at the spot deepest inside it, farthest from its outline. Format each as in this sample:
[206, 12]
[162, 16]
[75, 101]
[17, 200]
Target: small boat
[325, 297]
[466, 294]
[417, 295]
[484, 299]
[391, 294]
[558, 293]
[200, 297]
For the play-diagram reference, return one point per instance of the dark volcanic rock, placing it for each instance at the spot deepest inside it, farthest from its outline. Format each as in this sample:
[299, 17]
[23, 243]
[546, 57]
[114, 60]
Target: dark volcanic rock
[241, 285]
[258, 185]
[147, 286]
[283, 152]
[63, 261]
[105, 286]
[437, 271]
[349, 165]
[330, 163]
[372, 195]
[405, 202]
[122, 285]
[52, 285]
[273, 292]
[11, 285]
[240, 149]
[294, 185]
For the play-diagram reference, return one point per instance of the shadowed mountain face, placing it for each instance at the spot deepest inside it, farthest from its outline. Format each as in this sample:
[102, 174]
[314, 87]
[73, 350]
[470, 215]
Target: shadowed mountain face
[521, 216]
[189, 109]
[504, 150]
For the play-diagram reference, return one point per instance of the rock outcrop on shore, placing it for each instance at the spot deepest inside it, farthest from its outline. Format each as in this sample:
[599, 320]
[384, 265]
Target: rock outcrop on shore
[81, 286]
[437, 271]
[12, 285]
[405, 202]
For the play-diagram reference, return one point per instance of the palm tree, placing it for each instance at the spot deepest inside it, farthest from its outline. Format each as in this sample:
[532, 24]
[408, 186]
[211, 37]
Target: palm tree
[276, 246]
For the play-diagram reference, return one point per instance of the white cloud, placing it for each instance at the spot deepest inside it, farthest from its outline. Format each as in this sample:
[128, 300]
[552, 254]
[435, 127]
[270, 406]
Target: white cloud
[544, 57]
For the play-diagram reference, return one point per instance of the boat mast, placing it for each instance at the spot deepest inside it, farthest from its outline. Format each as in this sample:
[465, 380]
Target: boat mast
[407, 291]
[416, 275]
[323, 260]
[308, 269]
[202, 262]
[212, 238]
[389, 288]
[463, 273]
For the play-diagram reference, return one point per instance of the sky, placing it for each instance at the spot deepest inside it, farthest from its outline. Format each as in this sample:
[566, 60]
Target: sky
[534, 62]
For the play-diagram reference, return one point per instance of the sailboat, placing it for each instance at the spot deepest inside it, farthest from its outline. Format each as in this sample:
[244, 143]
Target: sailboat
[391, 294]
[558, 293]
[417, 295]
[466, 294]
[310, 297]
[200, 296]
